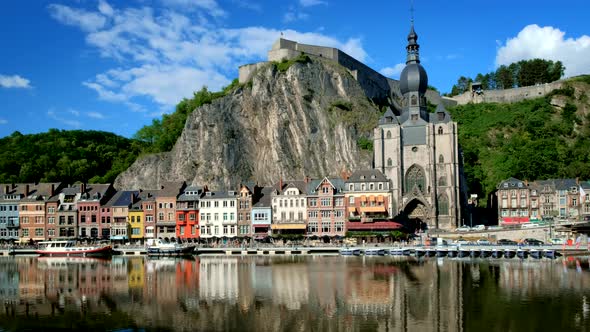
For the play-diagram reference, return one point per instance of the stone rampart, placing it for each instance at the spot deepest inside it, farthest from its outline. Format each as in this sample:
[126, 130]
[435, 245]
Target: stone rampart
[508, 95]
[246, 71]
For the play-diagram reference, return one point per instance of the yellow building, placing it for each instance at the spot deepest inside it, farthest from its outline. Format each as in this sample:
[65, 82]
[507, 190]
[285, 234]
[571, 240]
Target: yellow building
[136, 276]
[135, 221]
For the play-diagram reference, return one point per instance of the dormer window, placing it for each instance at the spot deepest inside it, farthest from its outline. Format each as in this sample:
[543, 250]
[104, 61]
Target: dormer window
[351, 187]
[520, 185]
[209, 193]
[373, 176]
[505, 185]
[362, 177]
[231, 193]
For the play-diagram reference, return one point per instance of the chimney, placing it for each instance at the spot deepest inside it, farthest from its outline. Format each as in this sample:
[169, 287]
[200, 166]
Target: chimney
[6, 189]
[82, 187]
[281, 184]
[26, 190]
[132, 197]
[52, 189]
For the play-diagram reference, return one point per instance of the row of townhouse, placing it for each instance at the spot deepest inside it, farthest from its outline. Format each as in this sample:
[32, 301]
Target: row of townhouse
[314, 207]
[556, 199]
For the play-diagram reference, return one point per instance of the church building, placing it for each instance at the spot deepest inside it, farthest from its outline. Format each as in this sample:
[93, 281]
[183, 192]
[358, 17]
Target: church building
[418, 151]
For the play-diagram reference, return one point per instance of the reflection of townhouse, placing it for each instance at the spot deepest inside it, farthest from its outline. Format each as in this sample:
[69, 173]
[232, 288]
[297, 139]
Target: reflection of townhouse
[289, 207]
[290, 285]
[165, 209]
[218, 214]
[9, 280]
[9, 201]
[325, 207]
[246, 193]
[262, 214]
[368, 202]
[218, 279]
[92, 212]
[513, 205]
[187, 213]
[32, 210]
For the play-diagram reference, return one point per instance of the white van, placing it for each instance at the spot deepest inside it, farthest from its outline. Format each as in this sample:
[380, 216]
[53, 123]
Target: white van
[528, 225]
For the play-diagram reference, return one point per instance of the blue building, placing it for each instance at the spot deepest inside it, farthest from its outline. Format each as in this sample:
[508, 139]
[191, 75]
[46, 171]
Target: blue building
[262, 214]
[9, 199]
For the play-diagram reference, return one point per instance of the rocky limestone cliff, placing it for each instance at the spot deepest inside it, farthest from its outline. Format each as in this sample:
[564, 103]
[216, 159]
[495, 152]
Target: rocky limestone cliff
[303, 121]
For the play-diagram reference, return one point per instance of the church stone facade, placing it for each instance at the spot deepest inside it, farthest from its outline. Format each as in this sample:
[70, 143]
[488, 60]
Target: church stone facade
[418, 151]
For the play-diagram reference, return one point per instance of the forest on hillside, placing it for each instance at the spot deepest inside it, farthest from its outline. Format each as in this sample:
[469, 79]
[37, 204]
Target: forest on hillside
[528, 140]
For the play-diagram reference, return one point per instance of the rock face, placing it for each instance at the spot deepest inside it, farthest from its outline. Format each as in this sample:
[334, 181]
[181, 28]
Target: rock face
[304, 121]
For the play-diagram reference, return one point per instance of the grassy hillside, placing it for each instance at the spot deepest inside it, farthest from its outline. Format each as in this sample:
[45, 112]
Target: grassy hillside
[60, 155]
[528, 140]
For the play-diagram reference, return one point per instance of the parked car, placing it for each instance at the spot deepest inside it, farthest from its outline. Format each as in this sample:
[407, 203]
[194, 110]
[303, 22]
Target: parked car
[506, 242]
[529, 225]
[479, 228]
[463, 229]
[461, 241]
[557, 241]
[483, 242]
[532, 242]
[494, 228]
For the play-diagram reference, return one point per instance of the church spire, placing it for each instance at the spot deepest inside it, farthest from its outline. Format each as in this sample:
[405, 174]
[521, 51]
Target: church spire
[413, 47]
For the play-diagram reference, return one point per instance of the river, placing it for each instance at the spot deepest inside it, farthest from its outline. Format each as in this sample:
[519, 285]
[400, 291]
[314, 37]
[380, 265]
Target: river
[295, 293]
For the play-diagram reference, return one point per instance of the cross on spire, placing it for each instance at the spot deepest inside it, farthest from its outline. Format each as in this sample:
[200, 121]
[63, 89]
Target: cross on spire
[412, 11]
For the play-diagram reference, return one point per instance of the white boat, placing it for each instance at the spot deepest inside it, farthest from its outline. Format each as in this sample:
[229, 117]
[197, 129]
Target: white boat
[350, 251]
[70, 248]
[157, 247]
[374, 252]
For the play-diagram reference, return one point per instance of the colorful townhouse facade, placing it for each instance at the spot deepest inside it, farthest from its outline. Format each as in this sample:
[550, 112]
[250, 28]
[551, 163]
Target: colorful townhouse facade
[369, 202]
[555, 199]
[136, 220]
[32, 211]
[119, 209]
[9, 212]
[262, 214]
[93, 213]
[289, 207]
[218, 214]
[166, 209]
[187, 213]
[326, 209]
[245, 198]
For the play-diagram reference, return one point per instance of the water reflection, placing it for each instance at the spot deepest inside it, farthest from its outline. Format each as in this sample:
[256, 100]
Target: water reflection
[295, 293]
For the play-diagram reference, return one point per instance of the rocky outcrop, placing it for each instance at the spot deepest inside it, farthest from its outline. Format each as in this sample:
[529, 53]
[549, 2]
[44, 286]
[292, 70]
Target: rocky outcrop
[303, 121]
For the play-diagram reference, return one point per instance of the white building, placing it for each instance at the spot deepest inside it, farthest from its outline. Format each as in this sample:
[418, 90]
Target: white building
[289, 207]
[218, 214]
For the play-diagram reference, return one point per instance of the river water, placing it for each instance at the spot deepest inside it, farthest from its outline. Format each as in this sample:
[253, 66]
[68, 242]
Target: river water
[295, 293]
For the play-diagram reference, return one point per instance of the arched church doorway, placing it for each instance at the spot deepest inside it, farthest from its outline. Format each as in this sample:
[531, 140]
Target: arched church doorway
[417, 214]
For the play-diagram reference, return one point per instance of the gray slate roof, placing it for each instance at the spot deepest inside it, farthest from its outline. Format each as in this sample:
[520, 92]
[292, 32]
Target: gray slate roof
[368, 176]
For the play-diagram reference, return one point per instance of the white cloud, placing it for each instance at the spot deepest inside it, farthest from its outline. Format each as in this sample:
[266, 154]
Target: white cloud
[393, 71]
[294, 15]
[165, 55]
[14, 81]
[104, 8]
[74, 112]
[3, 121]
[87, 21]
[309, 3]
[547, 43]
[210, 5]
[65, 119]
[95, 115]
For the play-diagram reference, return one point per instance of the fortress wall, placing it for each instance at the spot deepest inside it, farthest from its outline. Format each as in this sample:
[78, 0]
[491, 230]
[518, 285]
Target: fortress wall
[246, 71]
[508, 95]
[374, 84]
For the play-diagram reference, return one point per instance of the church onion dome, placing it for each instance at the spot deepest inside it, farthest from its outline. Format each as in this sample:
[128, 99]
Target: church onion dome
[413, 78]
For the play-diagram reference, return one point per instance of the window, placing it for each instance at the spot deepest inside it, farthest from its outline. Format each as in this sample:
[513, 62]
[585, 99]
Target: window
[312, 227]
[51, 232]
[389, 162]
[442, 181]
[300, 215]
[415, 179]
[440, 129]
[338, 213]
[38, 232]
[325, 190]
[441, 159]
[574, 202]
[339, 201]
[351, 187]
[135, 231]
[25, 232]
[363, 187]
[325, 214]
[93, 218]
[371, 186]
[351, 200]
[161, 216]
[443, 204]
[191, 216]
[225, 216]
[325, 227]
[339, 226]
[181, 217]
[326, 202]
[414, 102]
[51, 220]
[313, 202]
[313, 214]
[380, 186]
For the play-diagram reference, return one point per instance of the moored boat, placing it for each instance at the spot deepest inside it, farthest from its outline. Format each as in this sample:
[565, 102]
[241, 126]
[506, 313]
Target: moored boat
[400, 251]
[420, 252]
[522, 253]
[374, 252]
[431, 252]
[509, 253]
[442, 252]
[536, 253]
[350, 251]
[551, 253]
[485, 253]
[160, 248]
[497, 253]
[68, 248]
[464, 252]
[475, 252]
[452, 252]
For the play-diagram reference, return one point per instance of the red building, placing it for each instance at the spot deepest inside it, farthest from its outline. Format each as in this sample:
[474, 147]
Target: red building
[187, 213]
[92, 209]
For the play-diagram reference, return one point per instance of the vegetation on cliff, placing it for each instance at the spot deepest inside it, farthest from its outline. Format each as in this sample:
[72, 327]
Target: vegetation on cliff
[529, 140]
[69, 156]
[518, 74]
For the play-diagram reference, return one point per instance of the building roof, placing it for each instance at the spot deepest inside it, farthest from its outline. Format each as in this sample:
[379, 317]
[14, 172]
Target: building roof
[171, 189]
[301, 185]
[184, 197]
[565, 184]
[123, 198]
[40, 191]
[337, 183]
[264, 199]
[512, 183]
[95, 191]
[371, 175]
[219, 195]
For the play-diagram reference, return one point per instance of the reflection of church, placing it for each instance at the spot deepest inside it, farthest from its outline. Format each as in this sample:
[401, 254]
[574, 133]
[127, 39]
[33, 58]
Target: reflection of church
[418, 151]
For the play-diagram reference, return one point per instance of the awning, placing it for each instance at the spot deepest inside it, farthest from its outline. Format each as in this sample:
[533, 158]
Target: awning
[373, 208]
[380, 199]
[514, 220]
[351, 209]
[289, 226]
[380, 225]
[371, 198]
[363, 198]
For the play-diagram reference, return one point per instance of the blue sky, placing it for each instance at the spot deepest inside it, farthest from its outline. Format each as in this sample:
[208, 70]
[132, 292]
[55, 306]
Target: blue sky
[116, 65]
